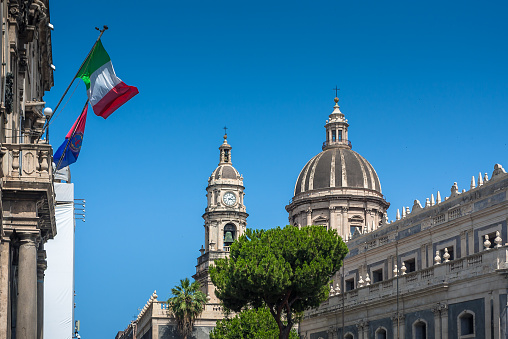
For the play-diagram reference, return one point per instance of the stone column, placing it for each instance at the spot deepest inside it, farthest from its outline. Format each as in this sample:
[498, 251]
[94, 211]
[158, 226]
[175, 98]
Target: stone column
[437, 323]
[309, 216]
[26, 320]
[41, 267]
[444, 321]
[5, 291]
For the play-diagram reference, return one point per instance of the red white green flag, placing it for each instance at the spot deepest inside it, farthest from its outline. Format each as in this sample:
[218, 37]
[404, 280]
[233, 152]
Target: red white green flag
[105, 90]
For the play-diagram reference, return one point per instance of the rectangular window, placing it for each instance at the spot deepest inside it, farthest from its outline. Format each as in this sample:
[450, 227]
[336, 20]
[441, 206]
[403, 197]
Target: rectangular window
[377, 275]
[354, 229]
[350, 284]
[333, 135]
[410, 265]
[340, 135]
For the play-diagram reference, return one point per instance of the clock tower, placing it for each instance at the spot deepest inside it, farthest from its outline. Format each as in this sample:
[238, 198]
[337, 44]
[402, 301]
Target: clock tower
[225, 217]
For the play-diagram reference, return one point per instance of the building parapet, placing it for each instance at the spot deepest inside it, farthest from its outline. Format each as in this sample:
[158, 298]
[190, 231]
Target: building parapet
[461, 205]
[493, 261]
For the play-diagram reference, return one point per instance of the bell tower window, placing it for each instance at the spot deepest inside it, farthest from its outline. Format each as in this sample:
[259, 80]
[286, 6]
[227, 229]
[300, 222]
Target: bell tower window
[340, 135]
[333, 135]
[229, 234]
[226, 155]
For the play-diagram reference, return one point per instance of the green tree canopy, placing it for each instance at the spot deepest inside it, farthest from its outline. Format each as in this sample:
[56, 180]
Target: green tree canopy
[186, 305]
[249, 324]
[288, 269]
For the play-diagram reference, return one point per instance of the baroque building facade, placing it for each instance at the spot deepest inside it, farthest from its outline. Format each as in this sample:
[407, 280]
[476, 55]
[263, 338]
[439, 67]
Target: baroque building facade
[439, 271]
[27, 212]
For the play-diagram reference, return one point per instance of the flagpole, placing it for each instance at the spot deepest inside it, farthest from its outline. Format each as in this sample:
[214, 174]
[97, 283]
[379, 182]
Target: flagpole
[74, 78]
[69, 140]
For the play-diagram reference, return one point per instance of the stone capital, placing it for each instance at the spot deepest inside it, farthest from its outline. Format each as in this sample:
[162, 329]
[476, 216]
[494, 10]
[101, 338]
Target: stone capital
[443, 308]
[28, 238]
[436, 310]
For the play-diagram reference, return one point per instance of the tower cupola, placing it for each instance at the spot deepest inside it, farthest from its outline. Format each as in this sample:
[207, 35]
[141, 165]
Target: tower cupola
[336, 129]
[225, 151]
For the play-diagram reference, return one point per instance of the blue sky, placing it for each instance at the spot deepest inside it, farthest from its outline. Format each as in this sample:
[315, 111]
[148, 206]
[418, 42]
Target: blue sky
[423, 85]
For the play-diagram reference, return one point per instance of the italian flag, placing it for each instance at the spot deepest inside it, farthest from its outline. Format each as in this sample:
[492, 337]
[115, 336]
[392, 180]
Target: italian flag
[105, 90]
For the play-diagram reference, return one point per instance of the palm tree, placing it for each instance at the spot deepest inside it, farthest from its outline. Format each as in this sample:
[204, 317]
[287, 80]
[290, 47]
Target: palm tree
[187, 303]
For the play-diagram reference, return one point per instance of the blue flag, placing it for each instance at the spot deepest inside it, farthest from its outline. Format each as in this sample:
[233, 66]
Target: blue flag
[68, 152]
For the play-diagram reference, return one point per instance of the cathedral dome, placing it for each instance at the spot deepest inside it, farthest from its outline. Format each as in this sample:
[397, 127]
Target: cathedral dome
[338, 188]
[337, 167]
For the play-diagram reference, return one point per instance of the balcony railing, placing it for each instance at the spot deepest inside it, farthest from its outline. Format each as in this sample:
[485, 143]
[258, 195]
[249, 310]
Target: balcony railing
[336, 142]
[26, 162]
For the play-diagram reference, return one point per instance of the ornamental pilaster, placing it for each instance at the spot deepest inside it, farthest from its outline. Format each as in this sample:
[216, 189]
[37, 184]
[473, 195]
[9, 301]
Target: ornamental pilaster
[463, 241]
[331, 331]
[443, 309]
[437, 321]
[423, 253]
[309, 216]
[332, 218]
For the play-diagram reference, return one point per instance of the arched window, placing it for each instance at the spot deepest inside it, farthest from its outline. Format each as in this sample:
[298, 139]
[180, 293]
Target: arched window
[229, 234]
[420, 329]
[349, 335]
[466, 324]
[381, 333]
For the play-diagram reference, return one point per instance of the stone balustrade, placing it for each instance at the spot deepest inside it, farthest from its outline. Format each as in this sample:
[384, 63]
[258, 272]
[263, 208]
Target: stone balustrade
[26, 162]
[212, 311]
[203, 261]
[438, 275]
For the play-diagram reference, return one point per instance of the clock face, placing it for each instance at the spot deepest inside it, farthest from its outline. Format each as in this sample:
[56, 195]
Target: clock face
[229, 199]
